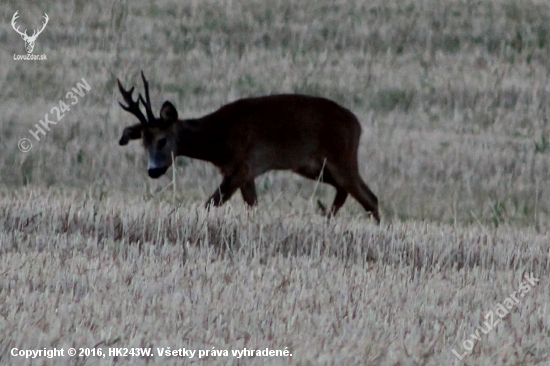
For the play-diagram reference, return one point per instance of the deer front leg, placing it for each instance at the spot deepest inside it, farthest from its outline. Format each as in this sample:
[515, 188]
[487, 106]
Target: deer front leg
[248, 191]
[223, 193]
[229, 185]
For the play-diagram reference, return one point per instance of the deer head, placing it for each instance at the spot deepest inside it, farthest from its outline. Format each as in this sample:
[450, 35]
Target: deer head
[29, 40]
[158, 134]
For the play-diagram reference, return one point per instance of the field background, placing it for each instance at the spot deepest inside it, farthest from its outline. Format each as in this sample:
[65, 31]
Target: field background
[454, 100]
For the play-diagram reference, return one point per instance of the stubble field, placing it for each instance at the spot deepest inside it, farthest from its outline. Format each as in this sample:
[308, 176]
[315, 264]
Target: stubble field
[454, 101]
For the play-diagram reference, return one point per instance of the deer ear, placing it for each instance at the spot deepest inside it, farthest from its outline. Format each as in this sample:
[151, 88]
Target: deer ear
[131, 133]
[168, 112]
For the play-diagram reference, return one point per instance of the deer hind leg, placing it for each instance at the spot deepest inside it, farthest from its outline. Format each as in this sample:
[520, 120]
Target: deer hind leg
[372, 200]
[248, 191]
[339, 200]
[350, 180]
[341, 193]
[326, 177]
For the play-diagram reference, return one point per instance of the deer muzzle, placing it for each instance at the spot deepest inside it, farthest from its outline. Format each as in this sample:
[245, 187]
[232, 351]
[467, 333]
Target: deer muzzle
[156, 172]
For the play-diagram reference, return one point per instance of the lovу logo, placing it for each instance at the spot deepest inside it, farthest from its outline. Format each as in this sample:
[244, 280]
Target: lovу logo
[29, 40]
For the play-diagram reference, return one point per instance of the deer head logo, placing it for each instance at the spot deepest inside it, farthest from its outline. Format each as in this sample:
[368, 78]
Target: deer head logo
[29, 40]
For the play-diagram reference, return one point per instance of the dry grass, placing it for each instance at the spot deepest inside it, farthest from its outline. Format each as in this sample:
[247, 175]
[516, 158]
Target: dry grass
[454, 100]
[130, 273]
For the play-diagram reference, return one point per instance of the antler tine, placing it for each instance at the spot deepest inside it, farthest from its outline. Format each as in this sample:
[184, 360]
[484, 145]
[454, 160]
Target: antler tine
[133, 106]
[147, 105]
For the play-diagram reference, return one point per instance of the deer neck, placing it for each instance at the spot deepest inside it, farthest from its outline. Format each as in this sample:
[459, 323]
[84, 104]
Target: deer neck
[196, 140]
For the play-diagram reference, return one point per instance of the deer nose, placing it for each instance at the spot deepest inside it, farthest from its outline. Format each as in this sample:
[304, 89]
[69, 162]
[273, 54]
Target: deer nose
[157, 172]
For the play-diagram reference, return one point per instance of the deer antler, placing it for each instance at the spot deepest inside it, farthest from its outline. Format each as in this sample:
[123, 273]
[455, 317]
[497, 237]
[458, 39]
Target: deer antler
[133, 106]
[147, 102]
[13, 21]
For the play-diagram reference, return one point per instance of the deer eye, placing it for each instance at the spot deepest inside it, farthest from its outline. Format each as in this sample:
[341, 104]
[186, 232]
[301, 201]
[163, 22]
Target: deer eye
[161, 143]
[147, 136]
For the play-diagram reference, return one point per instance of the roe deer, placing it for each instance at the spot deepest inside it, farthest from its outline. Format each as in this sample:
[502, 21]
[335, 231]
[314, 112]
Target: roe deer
[312, 136]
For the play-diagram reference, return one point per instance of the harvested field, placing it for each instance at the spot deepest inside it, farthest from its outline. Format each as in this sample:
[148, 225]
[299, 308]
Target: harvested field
[454, 102]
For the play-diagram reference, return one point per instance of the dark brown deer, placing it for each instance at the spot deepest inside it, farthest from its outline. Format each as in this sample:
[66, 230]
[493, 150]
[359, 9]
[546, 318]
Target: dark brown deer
[311, 136]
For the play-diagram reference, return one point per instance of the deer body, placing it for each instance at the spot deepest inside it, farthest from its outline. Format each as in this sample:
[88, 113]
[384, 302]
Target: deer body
[312, 136]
